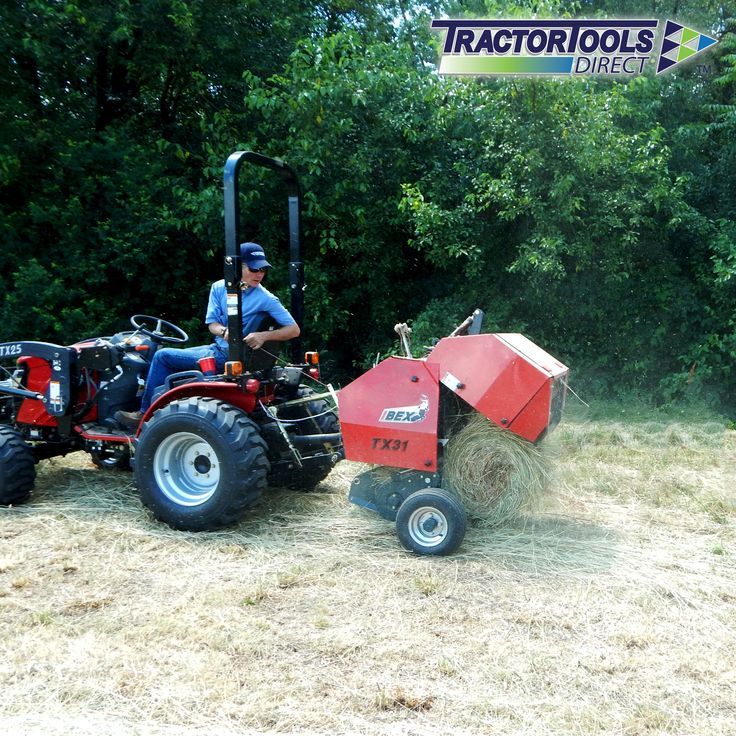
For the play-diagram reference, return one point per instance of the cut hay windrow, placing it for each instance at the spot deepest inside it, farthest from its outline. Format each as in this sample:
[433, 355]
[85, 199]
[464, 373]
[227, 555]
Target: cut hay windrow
[493, 471]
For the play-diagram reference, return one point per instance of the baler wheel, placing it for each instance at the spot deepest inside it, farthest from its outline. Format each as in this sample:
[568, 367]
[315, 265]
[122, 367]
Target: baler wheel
[200, 464]
[431, 522]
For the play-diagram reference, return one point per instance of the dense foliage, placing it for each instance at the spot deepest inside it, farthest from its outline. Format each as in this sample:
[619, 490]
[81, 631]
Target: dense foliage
[595, 215]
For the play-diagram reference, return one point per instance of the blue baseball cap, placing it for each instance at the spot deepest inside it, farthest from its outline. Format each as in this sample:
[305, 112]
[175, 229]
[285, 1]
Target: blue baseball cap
[253, 256]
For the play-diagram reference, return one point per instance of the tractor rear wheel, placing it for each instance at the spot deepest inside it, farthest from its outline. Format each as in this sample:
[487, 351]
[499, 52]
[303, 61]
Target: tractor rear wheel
[314, 417]
[200, 464]
[17, 467]
[431, 522]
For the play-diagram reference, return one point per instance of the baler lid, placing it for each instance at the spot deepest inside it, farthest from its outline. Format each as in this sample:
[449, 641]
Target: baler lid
[540, 358]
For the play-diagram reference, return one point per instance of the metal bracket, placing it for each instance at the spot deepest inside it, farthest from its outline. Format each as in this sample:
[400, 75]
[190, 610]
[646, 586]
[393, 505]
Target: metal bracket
[284, 434]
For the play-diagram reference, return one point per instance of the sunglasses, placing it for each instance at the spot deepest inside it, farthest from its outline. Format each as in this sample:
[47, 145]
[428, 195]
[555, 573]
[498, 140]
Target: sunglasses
[257, 270]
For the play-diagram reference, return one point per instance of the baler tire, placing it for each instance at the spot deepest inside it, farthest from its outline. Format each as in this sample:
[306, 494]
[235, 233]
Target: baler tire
[431, 522]
[17, 468]
[318, 419]
[200, 464]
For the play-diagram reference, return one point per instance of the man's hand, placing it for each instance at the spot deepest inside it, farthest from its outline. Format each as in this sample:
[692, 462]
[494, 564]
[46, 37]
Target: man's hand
[255, 340]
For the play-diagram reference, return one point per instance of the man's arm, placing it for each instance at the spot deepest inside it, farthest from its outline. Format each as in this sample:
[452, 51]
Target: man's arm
[288, 329]
[219, 330]
[216, 315]
[255, 340]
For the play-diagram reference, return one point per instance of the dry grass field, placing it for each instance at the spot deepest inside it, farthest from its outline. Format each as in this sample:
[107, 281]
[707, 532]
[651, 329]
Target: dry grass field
[610, 608]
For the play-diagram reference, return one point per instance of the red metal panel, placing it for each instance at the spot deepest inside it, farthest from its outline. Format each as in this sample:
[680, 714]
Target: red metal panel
[33, 411]
[489, 374]
[500, 375]
[533, 419]
[510, 392]
[389, 415]
[524, 346]
[224, 390]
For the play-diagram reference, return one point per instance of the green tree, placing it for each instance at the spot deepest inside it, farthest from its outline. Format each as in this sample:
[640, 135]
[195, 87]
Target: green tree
[595, 215]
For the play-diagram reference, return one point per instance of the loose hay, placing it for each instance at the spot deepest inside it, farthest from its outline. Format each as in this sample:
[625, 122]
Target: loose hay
[494, 471]
[114, 625]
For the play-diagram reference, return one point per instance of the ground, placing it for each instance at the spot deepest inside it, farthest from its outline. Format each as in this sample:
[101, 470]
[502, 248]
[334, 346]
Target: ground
[608, 608]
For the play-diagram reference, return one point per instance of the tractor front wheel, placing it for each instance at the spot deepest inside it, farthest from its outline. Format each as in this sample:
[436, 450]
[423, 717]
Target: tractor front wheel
[431, 522]
[200, 464]
[17, 467]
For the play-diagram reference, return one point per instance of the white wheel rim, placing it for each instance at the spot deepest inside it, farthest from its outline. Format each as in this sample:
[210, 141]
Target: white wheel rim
[186, 469]
[427, 526]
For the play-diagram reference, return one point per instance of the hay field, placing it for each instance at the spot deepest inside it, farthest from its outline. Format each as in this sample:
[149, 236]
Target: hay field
[608, 609]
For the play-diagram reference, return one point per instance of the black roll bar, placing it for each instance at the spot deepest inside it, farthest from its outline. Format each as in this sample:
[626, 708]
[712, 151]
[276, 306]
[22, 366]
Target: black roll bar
[233, 264]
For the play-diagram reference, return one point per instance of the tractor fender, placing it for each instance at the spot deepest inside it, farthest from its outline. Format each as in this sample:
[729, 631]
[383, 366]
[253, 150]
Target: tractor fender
[225, 391]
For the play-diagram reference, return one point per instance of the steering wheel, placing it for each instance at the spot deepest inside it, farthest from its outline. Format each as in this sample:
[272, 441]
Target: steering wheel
[157, 334]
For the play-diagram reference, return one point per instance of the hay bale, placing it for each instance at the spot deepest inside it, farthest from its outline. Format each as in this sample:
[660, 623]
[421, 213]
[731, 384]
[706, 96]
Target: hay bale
[494, 471]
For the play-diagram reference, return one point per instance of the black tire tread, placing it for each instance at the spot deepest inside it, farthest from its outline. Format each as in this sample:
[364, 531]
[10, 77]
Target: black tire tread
[17, 467]
[311, 475]
[246, 447]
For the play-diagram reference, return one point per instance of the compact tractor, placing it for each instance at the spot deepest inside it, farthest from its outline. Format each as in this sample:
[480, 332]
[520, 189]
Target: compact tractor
[210, 444]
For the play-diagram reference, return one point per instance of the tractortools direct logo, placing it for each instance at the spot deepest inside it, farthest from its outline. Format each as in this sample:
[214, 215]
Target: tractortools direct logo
[566, 47]
[680, 43]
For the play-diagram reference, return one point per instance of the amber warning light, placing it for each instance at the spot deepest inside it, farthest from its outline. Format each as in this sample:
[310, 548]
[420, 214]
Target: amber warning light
[233, 368]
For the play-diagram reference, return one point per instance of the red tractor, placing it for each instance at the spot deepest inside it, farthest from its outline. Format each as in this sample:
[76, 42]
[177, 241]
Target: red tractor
[209, 444]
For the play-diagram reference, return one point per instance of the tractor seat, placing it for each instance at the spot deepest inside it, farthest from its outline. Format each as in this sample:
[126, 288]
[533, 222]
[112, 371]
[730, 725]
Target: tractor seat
[265, 357]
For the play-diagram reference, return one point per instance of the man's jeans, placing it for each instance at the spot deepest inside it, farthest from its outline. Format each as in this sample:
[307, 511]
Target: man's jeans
[170, 360]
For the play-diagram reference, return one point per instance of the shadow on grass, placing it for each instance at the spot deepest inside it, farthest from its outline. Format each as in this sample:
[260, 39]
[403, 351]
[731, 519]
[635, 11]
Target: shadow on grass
[76, 490]
[72, 484]
[543, 544]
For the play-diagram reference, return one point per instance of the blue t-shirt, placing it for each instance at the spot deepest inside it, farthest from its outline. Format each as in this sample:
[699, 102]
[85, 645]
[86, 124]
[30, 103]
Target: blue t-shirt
[258, 302]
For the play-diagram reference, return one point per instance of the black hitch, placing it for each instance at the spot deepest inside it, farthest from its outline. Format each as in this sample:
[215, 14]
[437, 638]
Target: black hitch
[385, 489]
